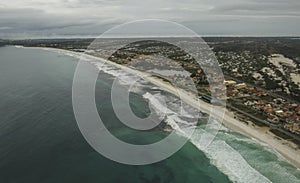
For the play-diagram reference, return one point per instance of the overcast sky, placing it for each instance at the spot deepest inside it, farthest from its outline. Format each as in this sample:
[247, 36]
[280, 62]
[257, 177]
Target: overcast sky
[55, 18]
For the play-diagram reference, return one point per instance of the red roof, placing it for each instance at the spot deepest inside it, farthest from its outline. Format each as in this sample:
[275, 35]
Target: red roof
[259, 93]
[288, 106]
[272, 117]
[296, 117]
[260, 102]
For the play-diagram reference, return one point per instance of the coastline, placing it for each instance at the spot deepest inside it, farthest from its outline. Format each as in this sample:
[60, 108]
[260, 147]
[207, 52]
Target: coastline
[284, 148]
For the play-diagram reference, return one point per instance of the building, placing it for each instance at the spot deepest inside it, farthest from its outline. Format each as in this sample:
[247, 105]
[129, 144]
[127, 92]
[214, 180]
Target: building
[273, 119]
[230, 83]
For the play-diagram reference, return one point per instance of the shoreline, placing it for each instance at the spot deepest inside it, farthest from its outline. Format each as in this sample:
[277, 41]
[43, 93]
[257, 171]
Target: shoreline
[284, 148]
[228, 118]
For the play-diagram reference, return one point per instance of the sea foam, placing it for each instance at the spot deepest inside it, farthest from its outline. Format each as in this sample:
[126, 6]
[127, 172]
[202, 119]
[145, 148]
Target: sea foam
[221, 154]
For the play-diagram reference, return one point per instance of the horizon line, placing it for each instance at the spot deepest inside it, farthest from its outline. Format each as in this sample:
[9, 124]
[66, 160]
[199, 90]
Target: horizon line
[124, 37]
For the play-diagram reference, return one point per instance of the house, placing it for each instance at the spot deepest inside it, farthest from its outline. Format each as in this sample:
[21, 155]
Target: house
[297, 110]
[260, 102]
[295, 127]
[288, 107]
[282, 115]
[268, 110]
[296, 118]
[241, 86]
[230, 93]
[230, 83]
[278, 100]
[249, 103]
[288, 127]
[260, 93]
[279, 112]
[273, 119]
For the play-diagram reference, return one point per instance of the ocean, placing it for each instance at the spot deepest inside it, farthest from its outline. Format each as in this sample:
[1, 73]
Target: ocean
[40, 140]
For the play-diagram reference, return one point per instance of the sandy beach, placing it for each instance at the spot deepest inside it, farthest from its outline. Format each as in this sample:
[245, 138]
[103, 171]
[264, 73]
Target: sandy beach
[285, 148]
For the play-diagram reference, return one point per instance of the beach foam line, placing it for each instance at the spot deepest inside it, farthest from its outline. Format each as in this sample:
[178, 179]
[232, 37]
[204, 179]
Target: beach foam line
[234, 171]
[263, 158]
[228, 160]
[172, 117]
[222, 155]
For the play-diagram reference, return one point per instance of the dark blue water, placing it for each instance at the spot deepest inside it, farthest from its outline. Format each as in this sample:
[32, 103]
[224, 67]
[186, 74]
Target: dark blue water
[40, 140]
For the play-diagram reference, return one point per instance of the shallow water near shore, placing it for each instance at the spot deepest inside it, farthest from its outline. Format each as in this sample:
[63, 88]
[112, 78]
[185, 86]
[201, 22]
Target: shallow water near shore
[40, 140]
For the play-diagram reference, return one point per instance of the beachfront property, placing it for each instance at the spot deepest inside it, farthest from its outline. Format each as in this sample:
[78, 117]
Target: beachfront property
[254, 101]
[240, 69]
[275, 110]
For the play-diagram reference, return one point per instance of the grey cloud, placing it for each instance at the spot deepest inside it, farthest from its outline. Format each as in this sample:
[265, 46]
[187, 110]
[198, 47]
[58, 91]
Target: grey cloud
[85, 17]
[268, 8]
[33, 19]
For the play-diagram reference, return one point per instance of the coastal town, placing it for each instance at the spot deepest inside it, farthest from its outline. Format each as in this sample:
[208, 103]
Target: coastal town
[261, 86]
[252, 97]
[254, 107]
[120, 91]
[273, 110]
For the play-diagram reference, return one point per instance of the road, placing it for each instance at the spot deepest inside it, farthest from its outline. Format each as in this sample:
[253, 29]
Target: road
[272, 126]
[262, 89]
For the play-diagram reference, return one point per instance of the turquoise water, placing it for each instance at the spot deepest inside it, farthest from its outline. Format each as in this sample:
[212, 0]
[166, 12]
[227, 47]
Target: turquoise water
[40, 140]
